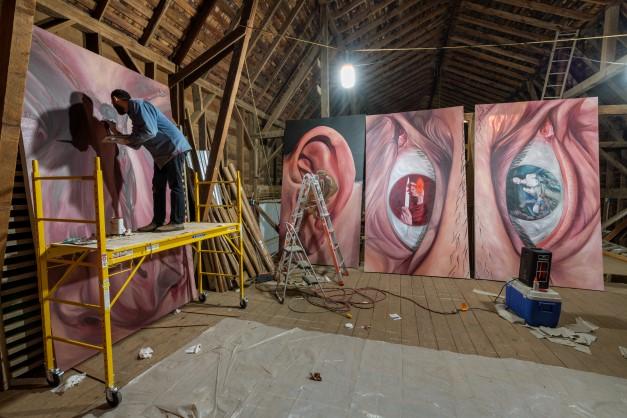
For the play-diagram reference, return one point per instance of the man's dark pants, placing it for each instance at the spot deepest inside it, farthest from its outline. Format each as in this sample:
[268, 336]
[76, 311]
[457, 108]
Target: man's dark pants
[172, 174]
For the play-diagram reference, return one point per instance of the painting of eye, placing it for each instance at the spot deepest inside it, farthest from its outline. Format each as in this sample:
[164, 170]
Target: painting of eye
[415, 185]
[537, 185]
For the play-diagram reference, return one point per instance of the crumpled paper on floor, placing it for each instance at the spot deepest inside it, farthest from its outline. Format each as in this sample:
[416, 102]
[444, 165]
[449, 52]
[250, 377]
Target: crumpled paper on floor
[508, 315]
[70, 382]
[145, 353]
[194, 349]
[571, 335]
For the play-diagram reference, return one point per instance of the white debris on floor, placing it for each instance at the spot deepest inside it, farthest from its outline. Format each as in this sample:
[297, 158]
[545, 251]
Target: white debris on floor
[508, 315]
[194, 349]
[395, 316]
[623, 351]
[69, 383]
[250, 370]
[145, 353]
[578, 335]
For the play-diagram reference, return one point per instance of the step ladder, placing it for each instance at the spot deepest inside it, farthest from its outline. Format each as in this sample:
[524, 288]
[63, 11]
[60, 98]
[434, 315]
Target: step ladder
[559, 64]
[294, 259]
[310, 190]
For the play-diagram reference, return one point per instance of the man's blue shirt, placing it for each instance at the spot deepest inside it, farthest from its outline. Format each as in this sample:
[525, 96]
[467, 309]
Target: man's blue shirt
[156, 132]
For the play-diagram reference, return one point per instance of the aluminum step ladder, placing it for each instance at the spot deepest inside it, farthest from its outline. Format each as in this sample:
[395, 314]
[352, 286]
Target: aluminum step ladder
[559, 64]
[310, 190]
[294, 259]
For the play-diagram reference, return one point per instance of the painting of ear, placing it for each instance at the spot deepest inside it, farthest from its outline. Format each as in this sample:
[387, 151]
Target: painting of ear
[324, 151]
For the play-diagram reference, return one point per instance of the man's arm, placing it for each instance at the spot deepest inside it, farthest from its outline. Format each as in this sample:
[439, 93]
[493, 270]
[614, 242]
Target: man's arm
[144, 129]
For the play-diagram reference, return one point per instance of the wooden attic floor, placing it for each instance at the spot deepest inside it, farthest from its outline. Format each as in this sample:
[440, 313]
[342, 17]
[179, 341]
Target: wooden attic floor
[476, 332]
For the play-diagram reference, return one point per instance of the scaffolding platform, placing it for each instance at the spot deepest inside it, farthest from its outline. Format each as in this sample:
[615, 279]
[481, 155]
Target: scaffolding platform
[118, 255]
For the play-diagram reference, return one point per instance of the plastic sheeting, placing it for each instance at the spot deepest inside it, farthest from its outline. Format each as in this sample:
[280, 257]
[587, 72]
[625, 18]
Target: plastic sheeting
[246, 369]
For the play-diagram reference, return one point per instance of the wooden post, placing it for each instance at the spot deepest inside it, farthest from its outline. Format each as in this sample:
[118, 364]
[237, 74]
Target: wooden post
[325, 109]
[199, 106]
[230, 91]
[610, 27]
[16, 30]
[150, 70]
[177, 98]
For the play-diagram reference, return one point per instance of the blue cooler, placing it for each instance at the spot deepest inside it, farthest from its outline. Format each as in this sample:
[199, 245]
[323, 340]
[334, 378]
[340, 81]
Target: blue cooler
[536, 307]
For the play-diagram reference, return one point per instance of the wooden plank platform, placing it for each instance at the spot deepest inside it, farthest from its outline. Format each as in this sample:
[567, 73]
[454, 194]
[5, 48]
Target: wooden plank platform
[475, 332]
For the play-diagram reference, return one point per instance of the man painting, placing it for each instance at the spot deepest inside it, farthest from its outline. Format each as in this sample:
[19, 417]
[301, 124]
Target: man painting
[167, 145]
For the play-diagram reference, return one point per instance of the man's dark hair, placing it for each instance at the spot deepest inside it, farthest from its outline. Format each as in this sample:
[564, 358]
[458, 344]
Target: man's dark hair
[121, 94]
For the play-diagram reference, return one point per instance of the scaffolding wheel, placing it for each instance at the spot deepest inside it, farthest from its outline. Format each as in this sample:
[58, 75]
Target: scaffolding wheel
[114, 396]
[202, 297]
[53, 377]
[243, 303]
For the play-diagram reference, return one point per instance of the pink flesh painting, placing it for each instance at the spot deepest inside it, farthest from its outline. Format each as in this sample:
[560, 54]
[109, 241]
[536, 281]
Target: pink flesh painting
[537, 184]
[333, 148]
[67, 98]
[416, 219]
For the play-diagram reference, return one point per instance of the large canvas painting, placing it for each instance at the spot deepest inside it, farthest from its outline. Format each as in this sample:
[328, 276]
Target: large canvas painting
[416, 219]
[537, 184]
[333, 149]
[67, 98]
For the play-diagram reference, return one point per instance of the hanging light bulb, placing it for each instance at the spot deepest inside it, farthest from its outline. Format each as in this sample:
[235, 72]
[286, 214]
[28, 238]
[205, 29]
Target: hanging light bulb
[347, 76]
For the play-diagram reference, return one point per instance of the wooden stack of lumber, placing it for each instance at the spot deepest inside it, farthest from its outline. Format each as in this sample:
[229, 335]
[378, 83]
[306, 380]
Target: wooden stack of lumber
[257, 259]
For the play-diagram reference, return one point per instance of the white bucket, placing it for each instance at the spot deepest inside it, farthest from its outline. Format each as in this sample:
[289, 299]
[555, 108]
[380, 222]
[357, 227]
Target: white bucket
[116, 226]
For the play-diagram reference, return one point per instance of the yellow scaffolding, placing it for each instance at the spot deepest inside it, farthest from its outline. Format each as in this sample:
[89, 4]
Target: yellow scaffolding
[112, 252]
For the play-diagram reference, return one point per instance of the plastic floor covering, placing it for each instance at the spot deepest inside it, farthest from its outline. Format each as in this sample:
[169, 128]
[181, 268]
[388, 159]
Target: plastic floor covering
[247, 369]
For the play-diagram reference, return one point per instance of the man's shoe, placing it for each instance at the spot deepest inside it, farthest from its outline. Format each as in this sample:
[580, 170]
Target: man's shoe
[148, 228]
[170, 228]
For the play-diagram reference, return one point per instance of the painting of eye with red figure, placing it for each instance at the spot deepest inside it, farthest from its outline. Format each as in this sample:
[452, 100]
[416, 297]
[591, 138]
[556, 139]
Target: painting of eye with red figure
[416, 221]
[333, 149]
[67, 111]
[537, 185]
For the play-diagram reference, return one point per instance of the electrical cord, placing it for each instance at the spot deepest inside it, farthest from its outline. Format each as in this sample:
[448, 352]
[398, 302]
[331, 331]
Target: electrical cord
[503, 287]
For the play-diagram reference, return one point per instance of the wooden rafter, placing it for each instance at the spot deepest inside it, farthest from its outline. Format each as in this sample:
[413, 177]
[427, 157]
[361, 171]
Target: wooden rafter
[204, 62]
[154, 21]
[450, 25]
[278, 37]
[193, 30]
[101, 8]
[127, 59]
[264, 25]
[249, 8]
[292, 85]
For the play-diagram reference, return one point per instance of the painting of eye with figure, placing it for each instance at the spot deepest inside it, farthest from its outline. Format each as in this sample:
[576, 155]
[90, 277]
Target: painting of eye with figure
[333, 149]
[537, 185]
[416, 221]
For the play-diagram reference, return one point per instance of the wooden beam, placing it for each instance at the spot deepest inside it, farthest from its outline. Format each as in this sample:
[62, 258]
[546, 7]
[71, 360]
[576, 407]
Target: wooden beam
[325, 105]
[115, 37]
[600, 77]
[620, 215]
[613, 144]
[203, 63]
[533, 94]
[16, 29]
[613, 109]
[127, 59]
[154, 21]
[365, 14]
[347, 8]
[516, 17]
[562, 11]
[613, 161]
[610, 27]
[498, 27]
[100, 9]
[292, 85]
[55, 24]
[193, 30]
[249, 8]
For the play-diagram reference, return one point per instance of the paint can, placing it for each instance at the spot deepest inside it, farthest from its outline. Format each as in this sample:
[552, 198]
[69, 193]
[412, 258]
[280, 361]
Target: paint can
[116, 226]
